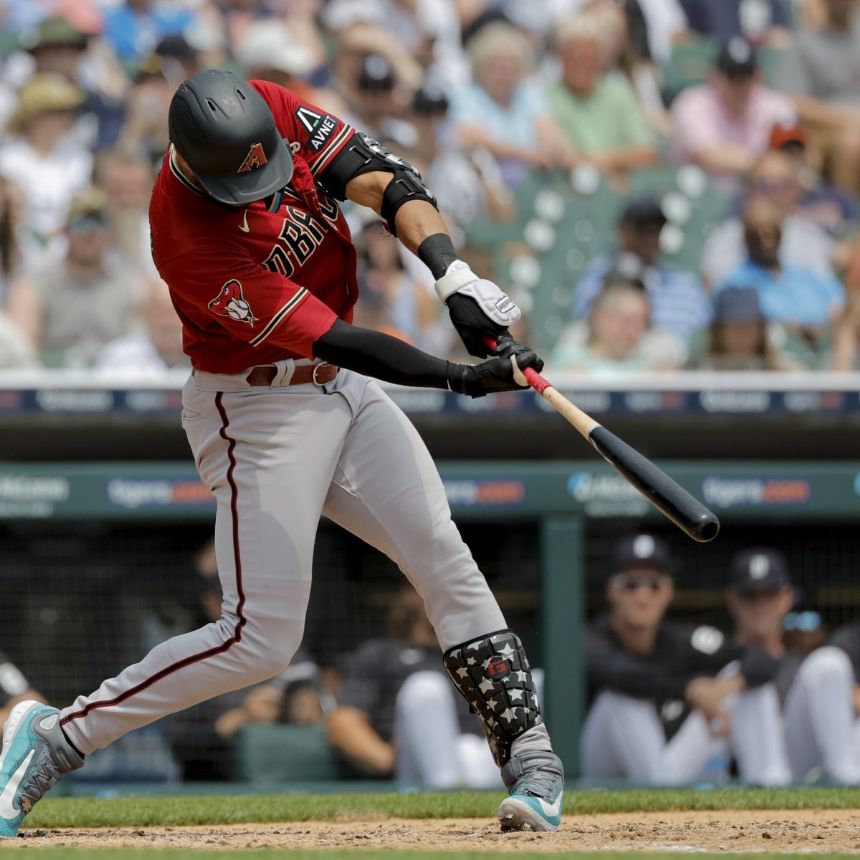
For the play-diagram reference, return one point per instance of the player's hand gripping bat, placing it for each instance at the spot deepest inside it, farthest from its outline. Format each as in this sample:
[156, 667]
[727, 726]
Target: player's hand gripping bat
[687, 512]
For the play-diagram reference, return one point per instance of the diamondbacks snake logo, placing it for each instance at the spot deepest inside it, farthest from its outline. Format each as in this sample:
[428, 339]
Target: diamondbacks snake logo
[230, 302]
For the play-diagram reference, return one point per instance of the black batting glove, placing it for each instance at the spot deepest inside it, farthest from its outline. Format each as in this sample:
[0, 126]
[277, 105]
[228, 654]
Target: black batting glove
[506, 346]
[473, 325]
[489, 377]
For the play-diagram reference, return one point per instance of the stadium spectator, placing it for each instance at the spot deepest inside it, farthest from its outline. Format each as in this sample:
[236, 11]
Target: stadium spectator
[126, 179]
[154, 347]
[667, 699]
[816, 690]
[468, 186]
[77, 307]
[59, 48]
[399, 306]
[268, 51]
[827, 206]
[616, 340]
[776, 177]
[597, 112]
[49, 166]
[134, 27]
[724, 125]
[147, 102]
[397, 715]
[679, 304]
[805, 302]
[821, 70]
[739, 337]
[757, 20]
[505, 111]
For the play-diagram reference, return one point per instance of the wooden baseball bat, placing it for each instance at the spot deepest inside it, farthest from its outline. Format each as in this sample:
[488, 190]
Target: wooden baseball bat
[683, 509]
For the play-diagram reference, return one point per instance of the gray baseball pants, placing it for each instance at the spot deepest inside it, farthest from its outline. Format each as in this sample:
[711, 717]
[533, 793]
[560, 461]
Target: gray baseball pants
[276, 458]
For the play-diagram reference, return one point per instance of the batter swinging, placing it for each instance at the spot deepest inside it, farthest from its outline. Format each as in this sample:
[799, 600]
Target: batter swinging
[285, 425]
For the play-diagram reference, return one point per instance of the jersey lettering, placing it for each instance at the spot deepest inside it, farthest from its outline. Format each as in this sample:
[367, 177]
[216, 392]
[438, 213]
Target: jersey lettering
[301, 234]
[322, 134]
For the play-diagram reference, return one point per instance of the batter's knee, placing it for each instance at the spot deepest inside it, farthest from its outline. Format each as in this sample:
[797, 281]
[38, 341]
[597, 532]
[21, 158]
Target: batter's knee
[266, 651]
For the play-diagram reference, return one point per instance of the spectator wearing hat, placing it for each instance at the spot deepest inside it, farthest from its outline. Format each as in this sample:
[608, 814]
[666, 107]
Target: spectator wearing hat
[739, 337]
[377, 98]
[267, 50]
[617, 339]
[468, 185]
[821, 71]
[88, 300]
[805, 302]
[816, 690]
[597, 112]
[47, 163]
[760, 21]
[60, 48]
[505, 110]
[666, 698]
[724, 124]
[829, 207]
[679, 303]
[776, 177]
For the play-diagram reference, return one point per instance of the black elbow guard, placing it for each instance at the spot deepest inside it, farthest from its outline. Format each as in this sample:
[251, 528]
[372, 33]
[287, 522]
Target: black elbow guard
[363, 154]
[403, 188]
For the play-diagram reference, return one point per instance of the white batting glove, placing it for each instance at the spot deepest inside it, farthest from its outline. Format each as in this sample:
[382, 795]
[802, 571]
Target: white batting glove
[479, 310]
[495, 305]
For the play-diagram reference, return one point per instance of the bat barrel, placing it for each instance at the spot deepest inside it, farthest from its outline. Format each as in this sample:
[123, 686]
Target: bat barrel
[683, 509]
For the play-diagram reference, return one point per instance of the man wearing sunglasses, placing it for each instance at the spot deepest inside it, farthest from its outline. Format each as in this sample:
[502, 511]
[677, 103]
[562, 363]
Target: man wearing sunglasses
[668, 698]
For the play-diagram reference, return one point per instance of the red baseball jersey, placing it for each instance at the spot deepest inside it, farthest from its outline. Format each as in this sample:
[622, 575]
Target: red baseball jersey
[253, 286]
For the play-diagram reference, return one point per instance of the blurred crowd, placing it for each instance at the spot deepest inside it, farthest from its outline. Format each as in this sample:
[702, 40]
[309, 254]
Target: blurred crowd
[753, 106]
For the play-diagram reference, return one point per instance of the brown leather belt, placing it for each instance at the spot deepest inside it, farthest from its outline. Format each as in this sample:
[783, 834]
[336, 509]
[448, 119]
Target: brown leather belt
[319, 374]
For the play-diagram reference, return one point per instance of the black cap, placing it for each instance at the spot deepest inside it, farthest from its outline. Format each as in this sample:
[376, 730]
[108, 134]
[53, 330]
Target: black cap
[643, 210]
[226, 132]
[759, 569]
[430, 100]
[376, 74]
[737, 58]
[641, 551]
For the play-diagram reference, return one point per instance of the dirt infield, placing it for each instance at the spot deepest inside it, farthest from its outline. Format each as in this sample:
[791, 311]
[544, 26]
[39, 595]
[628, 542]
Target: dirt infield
[730, 831]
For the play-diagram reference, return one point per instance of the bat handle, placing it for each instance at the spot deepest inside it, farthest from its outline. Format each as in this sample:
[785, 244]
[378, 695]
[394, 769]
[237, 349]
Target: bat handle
[534, 379]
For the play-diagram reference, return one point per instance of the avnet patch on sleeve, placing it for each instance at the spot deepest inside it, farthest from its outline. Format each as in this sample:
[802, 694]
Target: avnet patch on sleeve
[319, 126]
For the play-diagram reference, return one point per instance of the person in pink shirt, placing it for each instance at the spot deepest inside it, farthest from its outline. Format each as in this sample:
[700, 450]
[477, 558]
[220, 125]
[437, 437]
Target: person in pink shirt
[724, 125]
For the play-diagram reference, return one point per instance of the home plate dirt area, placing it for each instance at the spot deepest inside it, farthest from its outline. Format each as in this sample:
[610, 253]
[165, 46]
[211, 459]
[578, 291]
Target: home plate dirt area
[807, 830]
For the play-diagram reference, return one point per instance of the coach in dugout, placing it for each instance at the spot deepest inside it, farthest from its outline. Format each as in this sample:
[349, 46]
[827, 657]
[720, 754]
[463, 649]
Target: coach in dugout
[666, 699]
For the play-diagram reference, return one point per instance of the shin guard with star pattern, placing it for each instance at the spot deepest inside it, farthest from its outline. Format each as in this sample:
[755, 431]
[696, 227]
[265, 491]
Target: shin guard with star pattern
[493, 673]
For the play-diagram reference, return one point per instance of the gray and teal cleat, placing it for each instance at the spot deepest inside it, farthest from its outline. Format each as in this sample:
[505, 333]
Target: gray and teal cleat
[535, 782]
[35, 755]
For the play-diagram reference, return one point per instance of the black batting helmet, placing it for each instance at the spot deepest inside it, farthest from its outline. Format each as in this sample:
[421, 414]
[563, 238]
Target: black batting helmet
[226, 132]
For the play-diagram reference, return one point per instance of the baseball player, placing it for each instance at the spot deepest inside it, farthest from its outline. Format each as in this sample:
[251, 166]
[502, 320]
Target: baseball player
[286, 423]
[819, 728]
[667, 699]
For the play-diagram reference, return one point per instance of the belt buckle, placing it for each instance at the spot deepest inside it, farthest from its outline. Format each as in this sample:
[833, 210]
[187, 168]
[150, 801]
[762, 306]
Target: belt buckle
[314, 373]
